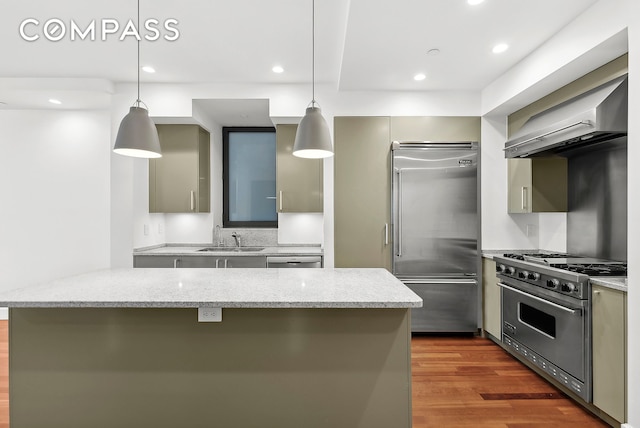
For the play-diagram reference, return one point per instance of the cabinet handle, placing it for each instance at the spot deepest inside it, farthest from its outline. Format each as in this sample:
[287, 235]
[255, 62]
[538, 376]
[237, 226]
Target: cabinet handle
[217, 261]
[386, 234]
[524, 198]
[281, 201]
[226, 261]
[596, 292]
[192, 201]
[175, 263]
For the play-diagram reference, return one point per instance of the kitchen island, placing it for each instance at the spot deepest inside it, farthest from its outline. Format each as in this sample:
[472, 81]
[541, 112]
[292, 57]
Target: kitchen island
[295, 347]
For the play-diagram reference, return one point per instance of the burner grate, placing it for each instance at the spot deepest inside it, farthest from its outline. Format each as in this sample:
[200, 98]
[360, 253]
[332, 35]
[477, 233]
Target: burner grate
[521, 256]
[594, 269]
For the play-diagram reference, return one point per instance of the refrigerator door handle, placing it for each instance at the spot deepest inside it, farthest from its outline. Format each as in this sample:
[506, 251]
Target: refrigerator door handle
[437, 281]
[399, 213]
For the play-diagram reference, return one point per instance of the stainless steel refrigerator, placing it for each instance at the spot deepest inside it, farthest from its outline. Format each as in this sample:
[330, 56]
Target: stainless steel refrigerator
[435, 231]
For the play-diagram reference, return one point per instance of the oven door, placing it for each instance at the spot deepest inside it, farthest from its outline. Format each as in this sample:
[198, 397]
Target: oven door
[555, 328]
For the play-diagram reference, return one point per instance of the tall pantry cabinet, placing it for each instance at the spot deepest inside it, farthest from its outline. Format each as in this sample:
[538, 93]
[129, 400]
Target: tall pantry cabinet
[362, 192]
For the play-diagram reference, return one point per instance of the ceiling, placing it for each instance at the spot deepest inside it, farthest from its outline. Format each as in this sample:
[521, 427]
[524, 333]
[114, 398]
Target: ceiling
[361, 45]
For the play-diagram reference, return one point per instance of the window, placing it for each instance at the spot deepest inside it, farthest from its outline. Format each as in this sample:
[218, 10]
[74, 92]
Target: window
[249, 181]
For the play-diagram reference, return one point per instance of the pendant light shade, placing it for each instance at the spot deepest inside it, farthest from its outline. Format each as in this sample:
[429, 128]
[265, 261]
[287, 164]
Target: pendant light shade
[313, 139]
[137, 135]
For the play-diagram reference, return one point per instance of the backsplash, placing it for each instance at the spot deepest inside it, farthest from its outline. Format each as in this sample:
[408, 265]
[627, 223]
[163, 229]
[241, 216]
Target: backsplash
[250, 237]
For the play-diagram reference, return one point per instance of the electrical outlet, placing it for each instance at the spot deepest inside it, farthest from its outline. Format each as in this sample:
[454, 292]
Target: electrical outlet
[160, 229]
[209, 314]
[146, 230]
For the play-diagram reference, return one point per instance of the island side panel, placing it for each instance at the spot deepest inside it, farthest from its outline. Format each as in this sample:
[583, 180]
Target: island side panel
[79, 367]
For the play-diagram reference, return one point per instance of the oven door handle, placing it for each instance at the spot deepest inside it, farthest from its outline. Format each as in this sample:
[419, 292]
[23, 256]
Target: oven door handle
[555, 305]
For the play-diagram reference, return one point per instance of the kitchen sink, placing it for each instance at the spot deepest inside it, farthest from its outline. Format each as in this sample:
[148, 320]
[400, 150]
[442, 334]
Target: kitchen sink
[231, 249]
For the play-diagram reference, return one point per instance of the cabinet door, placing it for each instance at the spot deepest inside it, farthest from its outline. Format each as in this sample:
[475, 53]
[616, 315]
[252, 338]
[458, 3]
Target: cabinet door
[179, 180]
[537, 185]
[298, 180]
[362, 192]
[196, 262]
[155, 261]
[491, 299]
[435, 128]
[244, 262]
[519, 180]
[609, 351]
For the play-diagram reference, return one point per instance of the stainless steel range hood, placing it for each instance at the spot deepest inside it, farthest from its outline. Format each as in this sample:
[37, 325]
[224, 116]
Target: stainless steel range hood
[595, 116]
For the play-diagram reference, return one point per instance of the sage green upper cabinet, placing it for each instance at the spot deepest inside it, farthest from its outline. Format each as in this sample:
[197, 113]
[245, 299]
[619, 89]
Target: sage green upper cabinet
[435, 128]
[298, 180]
[362, 192]
[537, 185]
[179, 181]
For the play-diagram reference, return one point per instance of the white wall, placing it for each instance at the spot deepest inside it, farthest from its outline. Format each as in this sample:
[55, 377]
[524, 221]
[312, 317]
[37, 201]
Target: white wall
[54, 182]
[501, 230]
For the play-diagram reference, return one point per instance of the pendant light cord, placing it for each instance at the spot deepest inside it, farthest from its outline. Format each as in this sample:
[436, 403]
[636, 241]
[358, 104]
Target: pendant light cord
[138, 26]
[313, 53]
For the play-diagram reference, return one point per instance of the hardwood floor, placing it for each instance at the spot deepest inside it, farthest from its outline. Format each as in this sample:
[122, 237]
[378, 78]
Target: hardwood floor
[472, 382]
[457, 382]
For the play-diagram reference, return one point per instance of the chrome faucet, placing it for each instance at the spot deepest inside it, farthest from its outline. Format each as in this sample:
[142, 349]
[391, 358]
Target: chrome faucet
[236, 236]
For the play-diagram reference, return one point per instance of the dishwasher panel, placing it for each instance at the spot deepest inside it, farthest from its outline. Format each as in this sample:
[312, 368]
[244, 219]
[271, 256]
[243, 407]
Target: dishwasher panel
[279, 262]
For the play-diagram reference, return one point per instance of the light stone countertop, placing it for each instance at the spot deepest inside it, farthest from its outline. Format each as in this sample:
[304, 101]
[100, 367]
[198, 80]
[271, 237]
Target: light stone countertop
[614, 282]
[192, 250]
[225, 288]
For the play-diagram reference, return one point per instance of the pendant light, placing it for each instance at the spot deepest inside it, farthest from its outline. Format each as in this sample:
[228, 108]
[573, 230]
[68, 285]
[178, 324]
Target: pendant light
[312, 137]
[137, 135]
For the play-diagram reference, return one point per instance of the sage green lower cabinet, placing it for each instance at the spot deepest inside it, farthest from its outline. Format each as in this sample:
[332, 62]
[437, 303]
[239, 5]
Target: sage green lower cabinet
[609, 314]
[362, 192]
[179, 181]
[491, 308]
[219, 262]
[537, 185]
[298, 180]
[161, 368]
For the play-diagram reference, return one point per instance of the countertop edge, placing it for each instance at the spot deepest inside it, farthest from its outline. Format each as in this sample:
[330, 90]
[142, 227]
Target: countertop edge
[223, 305]
[190, 250]
[614, 283]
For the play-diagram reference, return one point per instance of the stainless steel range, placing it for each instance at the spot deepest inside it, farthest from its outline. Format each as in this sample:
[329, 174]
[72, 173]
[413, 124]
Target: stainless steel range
[546, 312]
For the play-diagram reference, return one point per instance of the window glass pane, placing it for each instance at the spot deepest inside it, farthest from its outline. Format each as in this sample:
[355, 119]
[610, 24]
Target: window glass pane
[252, 176]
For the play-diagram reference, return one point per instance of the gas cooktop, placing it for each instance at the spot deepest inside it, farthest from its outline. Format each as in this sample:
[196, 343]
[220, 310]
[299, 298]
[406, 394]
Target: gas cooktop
[572, 263]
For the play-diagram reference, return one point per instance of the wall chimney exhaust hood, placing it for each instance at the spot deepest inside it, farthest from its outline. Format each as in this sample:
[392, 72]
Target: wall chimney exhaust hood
[595, 116]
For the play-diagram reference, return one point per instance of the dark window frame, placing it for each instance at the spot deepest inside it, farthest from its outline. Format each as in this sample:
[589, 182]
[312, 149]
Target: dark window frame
[226, 130]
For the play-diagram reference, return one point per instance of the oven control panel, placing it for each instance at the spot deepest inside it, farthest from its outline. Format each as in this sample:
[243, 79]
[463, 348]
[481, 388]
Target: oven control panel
[571, 284]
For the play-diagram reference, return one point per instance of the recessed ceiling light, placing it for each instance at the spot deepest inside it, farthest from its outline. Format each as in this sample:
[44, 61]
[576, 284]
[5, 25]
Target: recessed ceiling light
[499, 48]
[474, 2]
[54, 101]
[277, 69]
[433, 52]
[148, 69]
[419, 77]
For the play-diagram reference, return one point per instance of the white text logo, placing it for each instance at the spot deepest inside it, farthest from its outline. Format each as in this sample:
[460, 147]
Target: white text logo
[55, 29]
